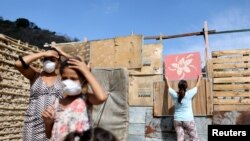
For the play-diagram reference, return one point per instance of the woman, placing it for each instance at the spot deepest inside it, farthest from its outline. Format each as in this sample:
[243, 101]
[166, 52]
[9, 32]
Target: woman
[45, 87]
[73, 112]
[183, 115]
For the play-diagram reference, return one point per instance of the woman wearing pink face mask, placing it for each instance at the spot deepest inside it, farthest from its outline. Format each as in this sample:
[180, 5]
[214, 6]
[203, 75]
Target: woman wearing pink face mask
[45, 87]
[72, 113]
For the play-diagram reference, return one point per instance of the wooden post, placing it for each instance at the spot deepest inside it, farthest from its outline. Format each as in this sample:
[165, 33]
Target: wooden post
[208, 71]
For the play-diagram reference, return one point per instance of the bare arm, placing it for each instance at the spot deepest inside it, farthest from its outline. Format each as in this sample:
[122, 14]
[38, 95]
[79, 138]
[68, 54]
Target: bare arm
[167, 81]
[31, 71]
[66, 55]
[48, 118]
[98, 96]
[199, 80]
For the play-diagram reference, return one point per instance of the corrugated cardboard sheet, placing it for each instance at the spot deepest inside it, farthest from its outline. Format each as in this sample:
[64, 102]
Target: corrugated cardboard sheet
[81, 49]
[113, 115]
[116, 52]
[141, 89]
[151, 60]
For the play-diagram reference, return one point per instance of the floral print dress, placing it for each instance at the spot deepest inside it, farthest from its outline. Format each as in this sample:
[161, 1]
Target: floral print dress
[73, 117]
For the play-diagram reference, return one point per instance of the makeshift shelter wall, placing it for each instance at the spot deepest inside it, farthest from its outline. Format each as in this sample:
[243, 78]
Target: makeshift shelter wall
[116, 52]
[14, 88]
[230, 71]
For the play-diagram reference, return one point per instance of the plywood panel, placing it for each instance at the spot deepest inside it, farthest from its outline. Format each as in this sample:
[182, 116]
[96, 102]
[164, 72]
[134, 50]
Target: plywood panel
[102, 53]
[160, 99]
[128, 51]
[199, 102]
[141, 89]
[116, 52]
[151, 60]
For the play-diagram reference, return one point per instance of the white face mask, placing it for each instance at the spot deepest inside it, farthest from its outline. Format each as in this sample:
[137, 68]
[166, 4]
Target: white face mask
[71, 88]
[49, 66]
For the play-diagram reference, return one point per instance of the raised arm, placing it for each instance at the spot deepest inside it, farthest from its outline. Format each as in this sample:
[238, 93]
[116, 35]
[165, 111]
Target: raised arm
[167, 81]
[23, 64]
[24, 67]
[199, 80]
[62, 53]
[99, 95]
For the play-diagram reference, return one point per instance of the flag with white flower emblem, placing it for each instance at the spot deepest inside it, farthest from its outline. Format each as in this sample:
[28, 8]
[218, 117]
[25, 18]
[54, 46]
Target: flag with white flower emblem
[183, 66]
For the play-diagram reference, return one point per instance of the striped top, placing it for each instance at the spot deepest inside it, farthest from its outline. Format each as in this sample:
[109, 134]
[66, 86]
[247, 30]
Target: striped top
[41, 96]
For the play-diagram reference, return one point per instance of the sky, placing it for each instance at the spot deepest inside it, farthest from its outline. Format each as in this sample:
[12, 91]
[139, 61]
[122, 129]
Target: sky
[102, 19]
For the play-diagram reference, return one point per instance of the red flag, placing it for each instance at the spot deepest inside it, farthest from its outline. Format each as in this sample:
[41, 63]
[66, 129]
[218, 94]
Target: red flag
[183, 66]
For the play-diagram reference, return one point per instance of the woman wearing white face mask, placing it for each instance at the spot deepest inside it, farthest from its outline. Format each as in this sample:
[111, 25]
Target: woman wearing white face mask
[46, 86]
[73, 112]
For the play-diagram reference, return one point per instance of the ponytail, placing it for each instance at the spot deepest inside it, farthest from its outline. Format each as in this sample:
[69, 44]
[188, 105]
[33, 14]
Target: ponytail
[182, 85]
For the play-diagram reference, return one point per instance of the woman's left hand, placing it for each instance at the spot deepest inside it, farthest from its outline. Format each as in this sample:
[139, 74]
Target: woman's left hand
[79, 65]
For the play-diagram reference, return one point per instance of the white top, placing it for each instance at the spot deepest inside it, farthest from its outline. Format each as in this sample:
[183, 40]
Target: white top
[183, 110]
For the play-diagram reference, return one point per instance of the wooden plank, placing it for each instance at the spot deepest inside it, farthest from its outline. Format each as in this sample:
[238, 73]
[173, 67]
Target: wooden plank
[231, 79]
[230, 59]
[231, 73]
[209, 69]
[231, 87]
[227, 101]
[230, 52]
[209, 96]
[231, 107]
[160, 99]
[231, 93]
[231, 66]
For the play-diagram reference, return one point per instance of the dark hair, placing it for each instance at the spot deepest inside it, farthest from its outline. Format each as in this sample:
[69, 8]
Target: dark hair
[182, 85]
[65, 64]
[98, 134]
[53, 49]
[93, 134]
